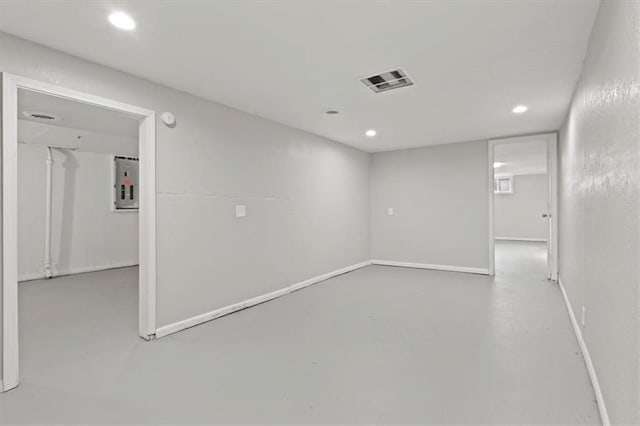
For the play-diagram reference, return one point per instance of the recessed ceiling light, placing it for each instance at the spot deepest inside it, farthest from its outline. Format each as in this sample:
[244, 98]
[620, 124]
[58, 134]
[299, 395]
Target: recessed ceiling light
[519, 109]
[122, 20]
[332, 112]
[371, 133]
[496, 165]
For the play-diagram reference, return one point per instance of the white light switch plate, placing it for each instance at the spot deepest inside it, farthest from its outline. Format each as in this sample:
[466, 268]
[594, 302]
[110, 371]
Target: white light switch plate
[241, 211]
[390, 211]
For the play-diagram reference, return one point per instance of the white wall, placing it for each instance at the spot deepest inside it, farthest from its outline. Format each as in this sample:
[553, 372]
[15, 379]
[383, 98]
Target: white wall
[440, 199]
[600, 205]
[307, 197]
[86, 233]
[519, 215]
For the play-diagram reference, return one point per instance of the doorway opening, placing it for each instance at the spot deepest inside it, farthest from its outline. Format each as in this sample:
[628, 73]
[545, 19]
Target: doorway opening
[523, 204]
[78, 218]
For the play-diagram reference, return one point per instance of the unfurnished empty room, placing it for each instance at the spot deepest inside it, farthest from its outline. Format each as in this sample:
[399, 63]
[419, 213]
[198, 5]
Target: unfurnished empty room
[320, 212]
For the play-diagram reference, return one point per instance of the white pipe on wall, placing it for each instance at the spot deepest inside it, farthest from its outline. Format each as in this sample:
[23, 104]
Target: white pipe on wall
[48, 273]
[47, 239]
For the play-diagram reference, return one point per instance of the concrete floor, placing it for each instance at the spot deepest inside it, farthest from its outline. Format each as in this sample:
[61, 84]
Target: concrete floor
[379, 345]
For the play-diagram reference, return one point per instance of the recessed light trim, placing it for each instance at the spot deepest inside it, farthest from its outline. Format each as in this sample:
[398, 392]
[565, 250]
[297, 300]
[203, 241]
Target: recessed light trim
[371, 133]
[519, 109]
[122, 20]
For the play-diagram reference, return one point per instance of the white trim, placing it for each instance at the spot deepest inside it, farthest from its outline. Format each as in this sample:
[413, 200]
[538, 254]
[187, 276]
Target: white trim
[329, 275]
[10, 359]
[147, 229]
[75, 271]
[75, 95]
[147, 224]
[465, 269]
[604, 416]
[552, 173]
[217, 313]
[532, 240]
[491, 176]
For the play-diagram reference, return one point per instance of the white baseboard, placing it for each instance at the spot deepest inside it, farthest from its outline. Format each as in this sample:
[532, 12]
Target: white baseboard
[587, 358]
[465, 269]
[217, 313]
[83, 270]
[533, 240]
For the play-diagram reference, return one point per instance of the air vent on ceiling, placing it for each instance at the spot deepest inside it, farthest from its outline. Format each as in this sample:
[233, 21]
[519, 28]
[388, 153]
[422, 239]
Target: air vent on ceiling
[387, 81]
[41, 116]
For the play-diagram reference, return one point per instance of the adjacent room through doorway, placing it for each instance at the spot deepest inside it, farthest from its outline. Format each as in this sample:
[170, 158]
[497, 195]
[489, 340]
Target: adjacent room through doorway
[78, 230]
[521, 205]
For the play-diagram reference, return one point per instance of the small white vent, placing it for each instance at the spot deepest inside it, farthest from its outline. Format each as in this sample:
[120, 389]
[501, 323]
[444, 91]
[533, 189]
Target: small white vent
[41, 116]
[387, 81]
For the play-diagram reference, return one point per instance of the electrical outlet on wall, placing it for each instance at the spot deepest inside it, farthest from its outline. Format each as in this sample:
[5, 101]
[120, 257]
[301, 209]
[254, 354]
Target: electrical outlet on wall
[241, 211]
[390, 211]
[583, 317]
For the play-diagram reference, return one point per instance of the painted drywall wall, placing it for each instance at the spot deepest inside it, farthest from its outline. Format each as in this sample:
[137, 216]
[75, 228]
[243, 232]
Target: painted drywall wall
[599, 194]
[85, 234]
[519, 215]
[307, 197]
[439, 197]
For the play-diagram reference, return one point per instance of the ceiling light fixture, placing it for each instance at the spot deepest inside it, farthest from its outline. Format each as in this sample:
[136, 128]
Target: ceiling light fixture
[371, 133]
[122, 20]
[332, 112]
[497, 165]
[519, 109]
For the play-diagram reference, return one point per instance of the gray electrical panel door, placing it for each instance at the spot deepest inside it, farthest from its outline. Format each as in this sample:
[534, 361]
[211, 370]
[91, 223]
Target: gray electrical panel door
[126, 186]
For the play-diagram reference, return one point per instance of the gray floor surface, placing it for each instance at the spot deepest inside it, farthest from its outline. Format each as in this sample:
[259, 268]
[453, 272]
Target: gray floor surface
[379, 345]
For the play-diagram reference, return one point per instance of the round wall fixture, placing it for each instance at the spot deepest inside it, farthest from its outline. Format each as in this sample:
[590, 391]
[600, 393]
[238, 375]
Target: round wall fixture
[41, 116]
[168, 119]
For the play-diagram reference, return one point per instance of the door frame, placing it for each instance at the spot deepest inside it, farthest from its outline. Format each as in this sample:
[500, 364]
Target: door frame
[147, 213]
[552, 175]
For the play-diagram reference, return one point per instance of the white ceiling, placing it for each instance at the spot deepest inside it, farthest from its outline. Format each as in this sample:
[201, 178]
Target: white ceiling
[32, 133]
[77, 115]
[471, 61]
[86, 127]
[521, 158]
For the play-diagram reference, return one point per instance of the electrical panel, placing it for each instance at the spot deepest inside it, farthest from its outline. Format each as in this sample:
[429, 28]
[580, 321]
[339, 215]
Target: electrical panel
[127, 184]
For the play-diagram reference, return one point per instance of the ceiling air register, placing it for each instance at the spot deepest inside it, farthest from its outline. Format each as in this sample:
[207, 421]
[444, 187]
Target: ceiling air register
[387, 81]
